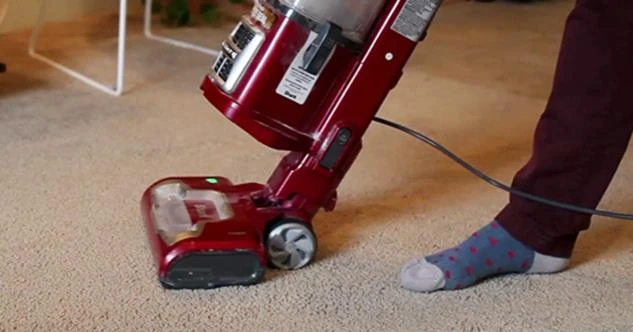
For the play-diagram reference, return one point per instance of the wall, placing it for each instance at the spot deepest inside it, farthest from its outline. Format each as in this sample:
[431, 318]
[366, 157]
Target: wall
[23, 13]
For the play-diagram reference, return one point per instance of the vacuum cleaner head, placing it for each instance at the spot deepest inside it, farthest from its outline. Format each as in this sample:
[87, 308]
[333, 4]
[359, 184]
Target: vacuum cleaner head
[207, 233]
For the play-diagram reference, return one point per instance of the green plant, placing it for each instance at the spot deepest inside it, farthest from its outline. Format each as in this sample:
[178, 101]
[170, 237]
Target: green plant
[178, 13]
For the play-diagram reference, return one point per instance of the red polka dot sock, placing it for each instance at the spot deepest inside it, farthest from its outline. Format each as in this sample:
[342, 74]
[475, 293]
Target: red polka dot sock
[489, 252]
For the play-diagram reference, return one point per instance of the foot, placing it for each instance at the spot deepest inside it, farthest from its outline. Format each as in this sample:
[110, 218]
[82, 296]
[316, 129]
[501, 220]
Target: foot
[490, 252]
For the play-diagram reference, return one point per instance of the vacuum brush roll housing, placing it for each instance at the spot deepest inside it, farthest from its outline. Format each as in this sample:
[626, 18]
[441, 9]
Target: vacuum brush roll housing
[301, 76]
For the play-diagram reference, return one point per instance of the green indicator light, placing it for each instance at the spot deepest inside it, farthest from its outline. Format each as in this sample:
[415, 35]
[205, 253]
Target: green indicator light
[212, 180]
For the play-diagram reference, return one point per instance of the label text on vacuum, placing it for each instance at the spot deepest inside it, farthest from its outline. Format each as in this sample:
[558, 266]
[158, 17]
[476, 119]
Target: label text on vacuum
[415, 17]
[297, 83]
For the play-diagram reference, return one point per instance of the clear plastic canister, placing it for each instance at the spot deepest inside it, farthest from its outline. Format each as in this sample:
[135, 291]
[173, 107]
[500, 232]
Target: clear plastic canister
[355, 17]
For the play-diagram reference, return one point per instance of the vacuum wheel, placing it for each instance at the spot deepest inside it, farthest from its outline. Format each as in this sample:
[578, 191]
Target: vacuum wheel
[290, 245]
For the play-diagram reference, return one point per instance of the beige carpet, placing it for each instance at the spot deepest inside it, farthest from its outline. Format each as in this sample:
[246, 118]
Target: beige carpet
[73, 162]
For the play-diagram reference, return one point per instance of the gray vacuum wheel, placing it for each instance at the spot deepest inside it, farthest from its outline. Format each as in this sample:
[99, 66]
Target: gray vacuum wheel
[290, 245]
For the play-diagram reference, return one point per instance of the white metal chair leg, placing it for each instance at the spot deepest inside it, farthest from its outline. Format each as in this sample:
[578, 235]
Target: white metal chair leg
[117, 90]
[3, 10]
[179, 43]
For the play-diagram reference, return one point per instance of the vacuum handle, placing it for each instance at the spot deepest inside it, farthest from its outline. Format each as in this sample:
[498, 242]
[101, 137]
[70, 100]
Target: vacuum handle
[319, 51]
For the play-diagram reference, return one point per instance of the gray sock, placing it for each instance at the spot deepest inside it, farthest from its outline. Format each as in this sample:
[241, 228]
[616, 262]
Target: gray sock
[487, 253]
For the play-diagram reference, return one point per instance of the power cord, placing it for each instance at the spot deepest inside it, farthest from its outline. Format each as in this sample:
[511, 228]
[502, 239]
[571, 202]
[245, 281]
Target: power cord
[496, 183]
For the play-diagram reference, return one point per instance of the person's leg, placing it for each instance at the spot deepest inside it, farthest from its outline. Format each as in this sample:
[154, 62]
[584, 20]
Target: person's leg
[584, 132]
[578, 144]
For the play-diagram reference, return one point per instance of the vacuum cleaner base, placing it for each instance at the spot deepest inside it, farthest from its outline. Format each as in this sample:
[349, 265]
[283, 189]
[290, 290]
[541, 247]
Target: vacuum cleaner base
[208, 233]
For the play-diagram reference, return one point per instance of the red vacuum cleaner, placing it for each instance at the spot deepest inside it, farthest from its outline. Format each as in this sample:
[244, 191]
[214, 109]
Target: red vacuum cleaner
[302, 76]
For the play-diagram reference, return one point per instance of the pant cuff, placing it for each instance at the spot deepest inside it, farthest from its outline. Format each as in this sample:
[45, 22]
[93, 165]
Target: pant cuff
[529, 232]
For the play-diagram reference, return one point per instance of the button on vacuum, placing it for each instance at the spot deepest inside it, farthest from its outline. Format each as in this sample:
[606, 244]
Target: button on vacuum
[336, 149]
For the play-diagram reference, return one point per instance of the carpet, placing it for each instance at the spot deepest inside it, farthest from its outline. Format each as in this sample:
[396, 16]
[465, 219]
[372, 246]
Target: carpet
[74, 162]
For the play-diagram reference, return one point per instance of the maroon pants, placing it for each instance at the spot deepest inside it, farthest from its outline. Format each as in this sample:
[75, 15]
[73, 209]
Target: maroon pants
[584, 132]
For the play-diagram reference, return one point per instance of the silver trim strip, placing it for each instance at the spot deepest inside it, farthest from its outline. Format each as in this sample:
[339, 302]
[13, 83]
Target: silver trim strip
[242, 57]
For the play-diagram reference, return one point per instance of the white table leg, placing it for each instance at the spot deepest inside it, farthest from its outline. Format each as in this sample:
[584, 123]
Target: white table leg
[179, 43]
[117, 90]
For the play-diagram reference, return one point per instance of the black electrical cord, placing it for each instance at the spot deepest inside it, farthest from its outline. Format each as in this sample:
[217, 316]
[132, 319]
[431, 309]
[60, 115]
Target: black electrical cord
[496, 183]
